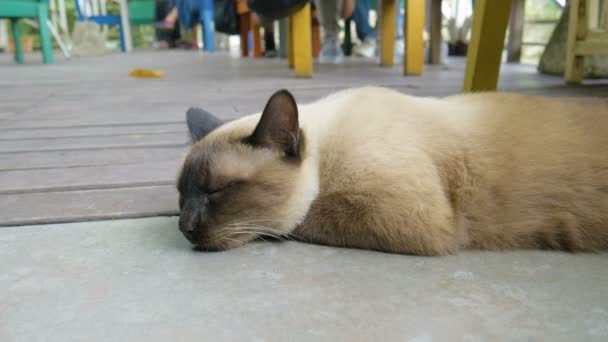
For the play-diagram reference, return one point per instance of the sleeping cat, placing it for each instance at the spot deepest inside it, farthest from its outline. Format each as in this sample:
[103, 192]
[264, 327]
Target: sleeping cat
[375, 169]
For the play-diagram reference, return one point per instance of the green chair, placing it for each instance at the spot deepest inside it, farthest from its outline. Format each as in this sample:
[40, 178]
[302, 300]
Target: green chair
[142, 12]
[39, 9]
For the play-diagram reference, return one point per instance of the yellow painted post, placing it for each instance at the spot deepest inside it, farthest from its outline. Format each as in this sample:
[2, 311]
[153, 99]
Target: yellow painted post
[413, 58]
[490, 19]
[388, 23]
[302, 42]
[290, 38]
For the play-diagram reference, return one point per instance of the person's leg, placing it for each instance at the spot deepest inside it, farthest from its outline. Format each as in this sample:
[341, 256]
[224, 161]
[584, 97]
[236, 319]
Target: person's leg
[166, 15]
[347, 8]
[365, 32]
[194, 32]
[361, 19]
[328, 16]
[166, 36]
[171, 18]
[270, 49]
[196, 18]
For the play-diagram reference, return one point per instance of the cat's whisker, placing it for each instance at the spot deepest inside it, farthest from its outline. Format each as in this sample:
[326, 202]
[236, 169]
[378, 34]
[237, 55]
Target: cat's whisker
[261, 234]
[277, 234]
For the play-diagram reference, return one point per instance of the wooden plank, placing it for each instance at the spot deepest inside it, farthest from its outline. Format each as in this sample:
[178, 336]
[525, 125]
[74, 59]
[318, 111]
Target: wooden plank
[598, 35]
[577, 30]
[56, 121]
[593, 13]
[80, 158]
[591, 48]
[241, 7]
[283, 33]
[516, 31]
[90, 177]
[83, 143]
[290, 43]
[435, 32]
[86, 205]
[388, 25]
[245, 20]
[413, 63]
[257, 39]
[90, 131]
[490, 19]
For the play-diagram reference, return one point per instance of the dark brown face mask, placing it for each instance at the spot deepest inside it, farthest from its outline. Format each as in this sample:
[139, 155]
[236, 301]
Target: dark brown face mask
[277, 130]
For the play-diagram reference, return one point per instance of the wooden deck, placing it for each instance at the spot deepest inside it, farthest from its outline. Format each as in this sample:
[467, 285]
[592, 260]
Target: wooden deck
[81, 140]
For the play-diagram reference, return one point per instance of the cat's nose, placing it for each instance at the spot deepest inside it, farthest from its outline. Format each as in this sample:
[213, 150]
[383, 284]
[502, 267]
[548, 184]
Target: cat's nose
[187, 225]
[184, 224]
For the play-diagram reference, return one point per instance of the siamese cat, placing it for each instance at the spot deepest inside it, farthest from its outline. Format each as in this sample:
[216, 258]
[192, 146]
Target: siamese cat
[375, 169]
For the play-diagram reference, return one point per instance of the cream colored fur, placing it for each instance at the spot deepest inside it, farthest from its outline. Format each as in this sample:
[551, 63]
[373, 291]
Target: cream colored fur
[386, 171]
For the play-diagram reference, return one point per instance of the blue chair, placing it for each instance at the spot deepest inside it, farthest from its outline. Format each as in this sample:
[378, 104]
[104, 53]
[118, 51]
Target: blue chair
[108, 19]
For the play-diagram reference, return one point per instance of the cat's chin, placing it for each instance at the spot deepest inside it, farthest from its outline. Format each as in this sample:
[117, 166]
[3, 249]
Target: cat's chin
[203, 248]
[216, 247]
[223, 244]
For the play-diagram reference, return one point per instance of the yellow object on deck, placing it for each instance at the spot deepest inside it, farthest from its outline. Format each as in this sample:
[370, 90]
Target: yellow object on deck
[146, 73]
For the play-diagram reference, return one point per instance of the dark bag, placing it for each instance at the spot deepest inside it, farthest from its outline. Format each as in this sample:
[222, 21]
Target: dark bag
[269, 10]
[226, 18]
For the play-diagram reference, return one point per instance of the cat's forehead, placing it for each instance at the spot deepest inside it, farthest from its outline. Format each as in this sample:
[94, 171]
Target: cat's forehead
[220, 162]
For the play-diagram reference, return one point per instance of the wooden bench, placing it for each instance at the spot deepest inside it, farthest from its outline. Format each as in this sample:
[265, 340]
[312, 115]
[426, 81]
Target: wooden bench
[584, 40]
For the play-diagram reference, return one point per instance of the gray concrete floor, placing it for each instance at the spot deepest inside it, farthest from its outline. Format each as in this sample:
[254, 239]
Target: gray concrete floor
[67, 133]
[139, 280]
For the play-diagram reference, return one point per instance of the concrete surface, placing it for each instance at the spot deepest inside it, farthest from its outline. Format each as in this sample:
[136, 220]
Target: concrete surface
[139, 280]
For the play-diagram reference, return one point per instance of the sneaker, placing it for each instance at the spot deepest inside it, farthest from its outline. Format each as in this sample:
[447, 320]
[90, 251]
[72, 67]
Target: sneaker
[331, 52]
[270, 53]
[366, 49]
[398, 52]
[399, 49]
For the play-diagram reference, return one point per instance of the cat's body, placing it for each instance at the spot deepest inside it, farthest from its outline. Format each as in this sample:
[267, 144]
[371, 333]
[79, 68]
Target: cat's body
[380, 170]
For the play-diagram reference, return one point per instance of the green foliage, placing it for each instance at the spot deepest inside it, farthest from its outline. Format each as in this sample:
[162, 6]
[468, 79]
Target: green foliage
[542, 9]
[538, 32]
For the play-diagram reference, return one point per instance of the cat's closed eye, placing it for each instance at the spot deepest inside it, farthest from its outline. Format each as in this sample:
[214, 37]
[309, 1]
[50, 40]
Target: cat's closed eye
[222, 188]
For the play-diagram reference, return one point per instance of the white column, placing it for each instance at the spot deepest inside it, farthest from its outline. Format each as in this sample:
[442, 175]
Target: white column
[3, 33]
[126, 25]
[63, 17]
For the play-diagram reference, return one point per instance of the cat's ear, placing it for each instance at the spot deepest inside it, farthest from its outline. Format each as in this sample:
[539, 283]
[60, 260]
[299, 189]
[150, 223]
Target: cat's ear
[278, 127]
[201, 123]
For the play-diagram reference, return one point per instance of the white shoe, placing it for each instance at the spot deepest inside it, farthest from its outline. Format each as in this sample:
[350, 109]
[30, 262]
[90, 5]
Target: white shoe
[366, 49]
[399, 49]
[331, 53]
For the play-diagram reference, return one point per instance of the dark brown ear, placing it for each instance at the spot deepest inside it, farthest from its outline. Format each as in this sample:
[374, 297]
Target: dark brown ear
[201, 123]
[278, 127]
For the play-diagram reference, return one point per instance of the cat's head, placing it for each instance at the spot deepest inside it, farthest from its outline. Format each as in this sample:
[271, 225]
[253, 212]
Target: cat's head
[238, 181]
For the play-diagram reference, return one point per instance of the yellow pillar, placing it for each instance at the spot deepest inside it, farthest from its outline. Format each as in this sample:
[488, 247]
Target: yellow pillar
[290, 35]
[490, 20]
[388, 25]
[413, 58]
[301, 37]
